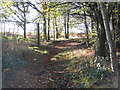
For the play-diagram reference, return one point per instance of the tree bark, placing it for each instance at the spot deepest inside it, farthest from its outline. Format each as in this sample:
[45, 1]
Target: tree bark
[53, 29]
[101, 37]
[4, 28]
[48, 28]
[102, 40]
[67, 36]
[44, 6]
[38, 34]
[114, 64]
[118, 22]
[24, 29]
[24, 23]
[86, 26]
[57, 33]
[92, 28]
[65, 26]
[44, 28]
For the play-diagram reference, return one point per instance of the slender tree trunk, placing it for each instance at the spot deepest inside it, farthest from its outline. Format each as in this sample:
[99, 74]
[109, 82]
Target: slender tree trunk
[118, 20]
[38, 34]
[24, 23]
[65, 26]
[86, 26]
[67, 36]
[92, 28]
[53, 29]
[57, 33]
[24, 29]
[97, 40]
[48, 28]
[4, 28]
[44, 28]
[48, 23]
[118, 7]
[114, 64]
[44, 6]
[114, 26]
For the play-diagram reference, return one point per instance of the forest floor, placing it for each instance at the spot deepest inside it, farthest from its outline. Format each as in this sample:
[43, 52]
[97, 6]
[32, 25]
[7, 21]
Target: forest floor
[42, 72]
[46, 69]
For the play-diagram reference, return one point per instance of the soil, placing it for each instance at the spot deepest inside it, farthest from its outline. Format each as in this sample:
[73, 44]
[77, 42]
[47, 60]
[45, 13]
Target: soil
[41, 72]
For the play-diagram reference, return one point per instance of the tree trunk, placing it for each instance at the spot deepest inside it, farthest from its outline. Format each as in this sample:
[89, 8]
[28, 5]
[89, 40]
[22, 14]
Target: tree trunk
[65, 26]
[4, 28]
[67, 36]
[101, 37]
[114, 25]
[86, 26]
[97, 40]
[118, 20]
[102, 40]
[38, 34]
[48, 28]
[44, 28]
[92, 28]
[24, 29]
[118, 7]
[114, 64]
[53, 29]
[57, 33]
[24, 23]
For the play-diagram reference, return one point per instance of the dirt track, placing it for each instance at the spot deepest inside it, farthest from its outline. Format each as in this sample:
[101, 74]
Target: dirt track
[40, 73]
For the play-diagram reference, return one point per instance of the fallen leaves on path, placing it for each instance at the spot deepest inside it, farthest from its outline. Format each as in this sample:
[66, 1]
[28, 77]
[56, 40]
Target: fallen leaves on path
[42, 72]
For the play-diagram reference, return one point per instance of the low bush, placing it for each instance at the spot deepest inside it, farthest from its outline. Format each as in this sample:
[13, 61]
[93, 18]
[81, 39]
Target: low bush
[94, 73]
[11, 56]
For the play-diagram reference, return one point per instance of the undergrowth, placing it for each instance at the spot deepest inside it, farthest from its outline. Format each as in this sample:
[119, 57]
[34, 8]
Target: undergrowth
[84, 73]
[12, 56]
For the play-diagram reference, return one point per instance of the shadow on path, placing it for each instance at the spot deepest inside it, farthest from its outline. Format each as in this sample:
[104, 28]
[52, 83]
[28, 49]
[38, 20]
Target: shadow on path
[42, 72]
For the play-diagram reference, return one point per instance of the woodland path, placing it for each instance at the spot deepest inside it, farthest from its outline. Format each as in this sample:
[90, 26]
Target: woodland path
[41, 72]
